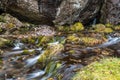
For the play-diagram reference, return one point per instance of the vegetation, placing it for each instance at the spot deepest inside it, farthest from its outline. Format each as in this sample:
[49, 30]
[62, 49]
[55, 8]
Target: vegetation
[105, 69]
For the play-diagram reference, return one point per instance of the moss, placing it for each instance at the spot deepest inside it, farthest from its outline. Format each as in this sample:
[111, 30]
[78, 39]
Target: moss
[109, 25]
[43, 40]
[73, 38]
[28, 52]
[1, 30]
[106, 69]
[1, 52]
[87, 41]
[2, 19]
[72, 51]
[10, 25]
[51, 51]
[99, 27]
[63, 28]
[4, 42]
[77, 27]
[102, 28]
[108, 30]
[31, 40]
[117, 27]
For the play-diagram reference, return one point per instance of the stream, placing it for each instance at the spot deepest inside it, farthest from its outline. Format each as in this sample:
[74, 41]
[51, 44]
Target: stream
[18, 65]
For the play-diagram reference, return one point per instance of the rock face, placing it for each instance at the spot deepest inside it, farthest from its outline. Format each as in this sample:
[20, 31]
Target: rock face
[27, 10]
[45, 11]
[77, 10]
[111, 12]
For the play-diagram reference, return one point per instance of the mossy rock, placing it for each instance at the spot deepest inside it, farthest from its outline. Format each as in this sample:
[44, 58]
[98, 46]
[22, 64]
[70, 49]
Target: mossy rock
[2, 19]
[106, 69]
[73, 39]
[4, 42]
[117, 27]
[42, 40]
[77, 27]
[101, 28]
[51, 51]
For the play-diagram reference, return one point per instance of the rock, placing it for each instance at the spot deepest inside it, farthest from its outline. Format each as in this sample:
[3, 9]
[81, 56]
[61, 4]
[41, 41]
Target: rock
[3, 42]
[27, 10]
[71, 11]
[45, 11]
[9, 23]
[111, 12]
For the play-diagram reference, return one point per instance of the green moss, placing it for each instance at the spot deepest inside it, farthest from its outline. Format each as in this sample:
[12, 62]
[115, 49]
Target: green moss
[102, 28]
[73, 38]
[117, 27]
[2, 19]
[77, 27]
[108, 30]
[51, 51]
[43, 40]
[4, 42]
[106, 69]
[28, 52]
[109, 25]
[10, 25]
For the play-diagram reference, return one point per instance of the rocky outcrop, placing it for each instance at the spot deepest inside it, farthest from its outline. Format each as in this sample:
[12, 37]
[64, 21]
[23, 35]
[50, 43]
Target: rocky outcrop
[71, 11]
[111, 12]
[27, 10]
[45, 11]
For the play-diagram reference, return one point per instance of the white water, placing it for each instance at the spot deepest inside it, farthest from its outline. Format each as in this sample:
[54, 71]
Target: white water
[111, 41]
[35, 74]
[18, 45]
[20, 52]
[30, 62]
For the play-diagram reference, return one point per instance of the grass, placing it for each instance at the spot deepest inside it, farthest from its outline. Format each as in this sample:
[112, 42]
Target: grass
[106, 69]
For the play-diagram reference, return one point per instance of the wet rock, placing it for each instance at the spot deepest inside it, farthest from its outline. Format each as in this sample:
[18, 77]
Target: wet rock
[52, 52]
[111, 12]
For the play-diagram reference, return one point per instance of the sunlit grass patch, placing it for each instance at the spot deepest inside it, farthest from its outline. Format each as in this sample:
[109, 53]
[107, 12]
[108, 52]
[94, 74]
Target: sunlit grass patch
[106, 69]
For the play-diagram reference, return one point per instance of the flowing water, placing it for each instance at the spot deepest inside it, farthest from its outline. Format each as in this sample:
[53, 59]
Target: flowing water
[19, 66]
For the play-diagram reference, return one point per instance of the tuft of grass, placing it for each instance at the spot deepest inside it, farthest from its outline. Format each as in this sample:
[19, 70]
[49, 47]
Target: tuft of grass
[105, 69]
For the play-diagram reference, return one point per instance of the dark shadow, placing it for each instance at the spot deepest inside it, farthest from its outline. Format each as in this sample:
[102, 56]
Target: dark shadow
[1, 11]
[49, 7]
